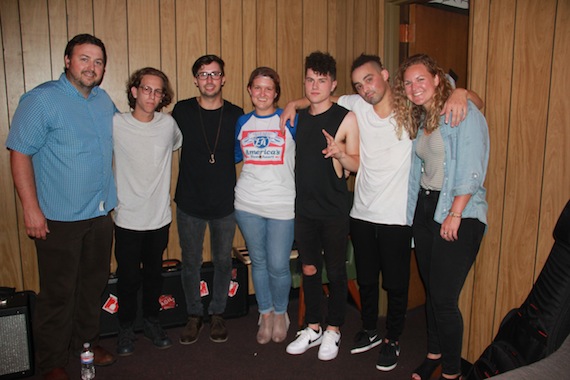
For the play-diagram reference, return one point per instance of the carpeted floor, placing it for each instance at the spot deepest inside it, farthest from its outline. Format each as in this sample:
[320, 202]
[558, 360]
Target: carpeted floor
[241, 357]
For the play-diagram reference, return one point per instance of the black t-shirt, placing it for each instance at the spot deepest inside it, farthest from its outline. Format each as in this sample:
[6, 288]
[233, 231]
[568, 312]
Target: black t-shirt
[206, 190]
[320, 192]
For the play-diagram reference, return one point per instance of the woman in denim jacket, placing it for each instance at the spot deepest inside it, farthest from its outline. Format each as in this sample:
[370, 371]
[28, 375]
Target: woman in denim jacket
[446, 203]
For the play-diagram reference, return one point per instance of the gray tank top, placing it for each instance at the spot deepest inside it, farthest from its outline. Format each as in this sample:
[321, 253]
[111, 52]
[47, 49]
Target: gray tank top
[431, 150]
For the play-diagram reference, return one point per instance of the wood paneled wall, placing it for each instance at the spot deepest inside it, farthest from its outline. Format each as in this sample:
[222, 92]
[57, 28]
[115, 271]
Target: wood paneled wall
[170, 35]
[518, 57]
[518, 54]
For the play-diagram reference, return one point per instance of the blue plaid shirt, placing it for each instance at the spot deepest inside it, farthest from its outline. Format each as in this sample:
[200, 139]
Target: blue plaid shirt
[70, 141]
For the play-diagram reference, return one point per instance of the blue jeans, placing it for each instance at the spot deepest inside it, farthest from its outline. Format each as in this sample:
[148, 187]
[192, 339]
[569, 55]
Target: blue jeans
[269, 243]
[191, 233]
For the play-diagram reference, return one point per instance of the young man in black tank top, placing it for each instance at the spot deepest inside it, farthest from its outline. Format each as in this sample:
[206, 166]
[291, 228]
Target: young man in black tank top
[327, 145]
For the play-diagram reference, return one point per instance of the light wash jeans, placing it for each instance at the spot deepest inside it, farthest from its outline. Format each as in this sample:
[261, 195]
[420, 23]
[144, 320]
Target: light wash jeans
[269, 243]
[191, 233]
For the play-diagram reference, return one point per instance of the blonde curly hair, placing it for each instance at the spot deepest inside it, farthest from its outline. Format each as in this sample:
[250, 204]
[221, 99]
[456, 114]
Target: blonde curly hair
[410, 115]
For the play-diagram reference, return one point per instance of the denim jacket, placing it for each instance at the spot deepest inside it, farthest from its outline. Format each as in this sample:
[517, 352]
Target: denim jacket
[465, 166]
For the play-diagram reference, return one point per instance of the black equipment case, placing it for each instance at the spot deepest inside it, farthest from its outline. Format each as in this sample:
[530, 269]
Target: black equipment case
[173, 312]
[541, 324]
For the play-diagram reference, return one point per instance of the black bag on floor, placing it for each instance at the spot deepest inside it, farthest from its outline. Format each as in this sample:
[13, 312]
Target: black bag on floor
[537, 328]
[498, 357]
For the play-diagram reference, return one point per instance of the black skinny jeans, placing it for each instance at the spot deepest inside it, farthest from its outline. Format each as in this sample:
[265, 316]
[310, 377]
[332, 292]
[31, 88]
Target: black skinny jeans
[133, 248]
[325, 240]
[443, 267]
[386, 249]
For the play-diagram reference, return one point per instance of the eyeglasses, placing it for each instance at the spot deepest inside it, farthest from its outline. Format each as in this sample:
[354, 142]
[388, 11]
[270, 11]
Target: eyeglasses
[147, 90]
[215, 75]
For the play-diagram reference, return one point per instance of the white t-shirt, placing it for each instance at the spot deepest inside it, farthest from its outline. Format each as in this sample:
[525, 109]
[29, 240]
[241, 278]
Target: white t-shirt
[266, 185]
[142, 165]
[381, 190]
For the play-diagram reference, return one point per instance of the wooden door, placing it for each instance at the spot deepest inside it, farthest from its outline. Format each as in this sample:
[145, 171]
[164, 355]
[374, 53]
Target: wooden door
[441, 32]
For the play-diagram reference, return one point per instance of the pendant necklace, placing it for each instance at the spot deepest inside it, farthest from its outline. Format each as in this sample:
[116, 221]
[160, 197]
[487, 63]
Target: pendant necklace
[212, 159]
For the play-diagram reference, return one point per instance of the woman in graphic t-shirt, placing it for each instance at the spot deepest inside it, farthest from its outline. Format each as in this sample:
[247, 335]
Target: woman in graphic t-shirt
[265, 201]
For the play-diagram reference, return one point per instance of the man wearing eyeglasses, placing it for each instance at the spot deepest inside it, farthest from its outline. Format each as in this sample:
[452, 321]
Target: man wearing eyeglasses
[60, 144]
[205, 194]
[143, 142]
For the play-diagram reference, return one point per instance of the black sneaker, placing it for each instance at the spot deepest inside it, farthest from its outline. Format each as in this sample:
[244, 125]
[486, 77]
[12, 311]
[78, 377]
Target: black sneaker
[365, 340]
[218, 330]
[154, 332]
[388, 357]
[126, 340]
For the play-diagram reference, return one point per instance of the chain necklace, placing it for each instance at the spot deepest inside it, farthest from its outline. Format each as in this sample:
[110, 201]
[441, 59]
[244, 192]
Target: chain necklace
[212, 159]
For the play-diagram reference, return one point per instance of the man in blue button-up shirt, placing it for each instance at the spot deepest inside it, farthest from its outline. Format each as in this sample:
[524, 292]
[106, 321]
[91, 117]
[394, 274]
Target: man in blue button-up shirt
[60, 145]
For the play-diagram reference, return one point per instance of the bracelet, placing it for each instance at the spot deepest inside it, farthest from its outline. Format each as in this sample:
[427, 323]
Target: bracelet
[454, 214]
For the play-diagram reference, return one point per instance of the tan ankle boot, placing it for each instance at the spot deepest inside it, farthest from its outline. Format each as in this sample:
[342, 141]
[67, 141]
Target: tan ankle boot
[280, 326]
[265, 328]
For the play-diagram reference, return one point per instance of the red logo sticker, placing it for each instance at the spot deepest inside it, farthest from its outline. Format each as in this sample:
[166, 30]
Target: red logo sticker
[111, 306]
[204, 291]
[233, 288]
[167, 302]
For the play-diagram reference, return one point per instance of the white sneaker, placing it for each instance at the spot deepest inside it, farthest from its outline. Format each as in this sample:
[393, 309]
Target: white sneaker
[305, 339]
[329, 345]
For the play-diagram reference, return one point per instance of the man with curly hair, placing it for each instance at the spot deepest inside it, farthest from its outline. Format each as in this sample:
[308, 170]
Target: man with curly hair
[143, 142]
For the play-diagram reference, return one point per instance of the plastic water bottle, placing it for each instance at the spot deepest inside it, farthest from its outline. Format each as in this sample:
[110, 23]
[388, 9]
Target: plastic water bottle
[87, 367]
